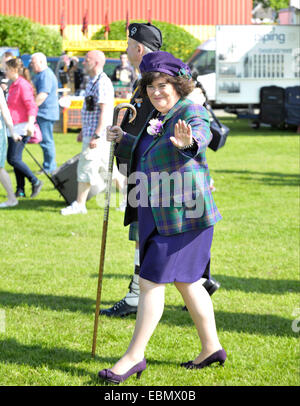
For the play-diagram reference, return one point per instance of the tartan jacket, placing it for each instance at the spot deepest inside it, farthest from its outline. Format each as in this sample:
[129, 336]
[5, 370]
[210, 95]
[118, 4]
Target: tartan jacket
[186, 203]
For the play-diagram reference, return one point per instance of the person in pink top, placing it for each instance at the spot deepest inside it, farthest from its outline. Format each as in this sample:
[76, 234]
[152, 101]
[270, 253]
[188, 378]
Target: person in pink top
[23, 110]
[6, 126]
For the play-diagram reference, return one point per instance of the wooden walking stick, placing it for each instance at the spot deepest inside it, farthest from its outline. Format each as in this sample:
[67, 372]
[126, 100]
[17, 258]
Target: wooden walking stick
[105, 217]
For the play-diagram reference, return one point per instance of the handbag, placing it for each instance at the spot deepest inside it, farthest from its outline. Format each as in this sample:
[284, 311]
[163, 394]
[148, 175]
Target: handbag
[37, 137]
[219, 131]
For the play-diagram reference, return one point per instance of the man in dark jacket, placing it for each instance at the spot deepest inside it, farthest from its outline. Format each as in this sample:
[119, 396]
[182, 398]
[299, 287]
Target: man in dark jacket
[124, 72]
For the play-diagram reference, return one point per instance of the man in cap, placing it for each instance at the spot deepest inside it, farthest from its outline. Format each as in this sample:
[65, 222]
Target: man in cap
[142, 39]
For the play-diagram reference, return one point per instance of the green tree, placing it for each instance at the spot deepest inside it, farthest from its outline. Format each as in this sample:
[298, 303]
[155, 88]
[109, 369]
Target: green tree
[275, 4]
[176, 40]
[28, 36]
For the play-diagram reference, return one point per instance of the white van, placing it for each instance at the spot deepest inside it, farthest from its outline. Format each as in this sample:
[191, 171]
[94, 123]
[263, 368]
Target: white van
[203, 63]
[242, 59]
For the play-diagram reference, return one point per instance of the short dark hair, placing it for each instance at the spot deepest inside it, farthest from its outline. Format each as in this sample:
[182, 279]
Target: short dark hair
[183, 86]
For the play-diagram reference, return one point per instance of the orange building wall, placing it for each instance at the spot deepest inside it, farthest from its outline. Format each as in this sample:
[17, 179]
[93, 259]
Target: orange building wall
[181, 12]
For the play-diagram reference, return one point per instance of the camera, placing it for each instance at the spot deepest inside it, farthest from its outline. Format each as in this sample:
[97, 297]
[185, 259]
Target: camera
[89, 102]
[63, 77]
[2, 77]
[4, 81]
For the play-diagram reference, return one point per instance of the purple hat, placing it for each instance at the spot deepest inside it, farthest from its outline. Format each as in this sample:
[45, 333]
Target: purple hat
[165, 62]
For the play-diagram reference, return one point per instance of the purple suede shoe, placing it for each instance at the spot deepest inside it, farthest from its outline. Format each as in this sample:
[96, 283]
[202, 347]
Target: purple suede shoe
[109, 376]
[218, 356]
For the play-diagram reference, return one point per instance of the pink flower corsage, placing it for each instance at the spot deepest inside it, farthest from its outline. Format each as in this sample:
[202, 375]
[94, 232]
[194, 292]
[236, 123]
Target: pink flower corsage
[155, 127]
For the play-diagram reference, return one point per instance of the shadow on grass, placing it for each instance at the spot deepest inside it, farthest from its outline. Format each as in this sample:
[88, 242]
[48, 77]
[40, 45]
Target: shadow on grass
[35, 355]
[59, 359]
[246, 323]
[173, 315]
[270, 178]
[243, 127]
[52, 302]
[39, 204]
[266, 286]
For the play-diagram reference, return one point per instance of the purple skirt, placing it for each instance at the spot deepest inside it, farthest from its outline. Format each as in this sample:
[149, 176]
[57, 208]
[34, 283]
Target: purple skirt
[180, 257]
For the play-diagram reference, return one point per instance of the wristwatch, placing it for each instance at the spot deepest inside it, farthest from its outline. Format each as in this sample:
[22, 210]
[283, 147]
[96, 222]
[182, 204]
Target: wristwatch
[96, 136]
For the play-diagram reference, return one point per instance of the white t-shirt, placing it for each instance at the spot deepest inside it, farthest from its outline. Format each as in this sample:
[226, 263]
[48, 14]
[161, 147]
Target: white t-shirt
[20, 129]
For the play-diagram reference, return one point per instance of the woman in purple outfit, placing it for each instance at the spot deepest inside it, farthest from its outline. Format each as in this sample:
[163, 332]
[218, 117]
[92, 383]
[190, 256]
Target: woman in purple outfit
[169, 195]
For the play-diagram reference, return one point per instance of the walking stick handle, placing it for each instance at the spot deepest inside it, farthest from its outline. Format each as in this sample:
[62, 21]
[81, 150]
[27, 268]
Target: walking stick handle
[117, 110]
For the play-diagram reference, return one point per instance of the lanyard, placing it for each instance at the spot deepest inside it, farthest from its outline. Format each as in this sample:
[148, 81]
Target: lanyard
[94, 84]
[135, 90]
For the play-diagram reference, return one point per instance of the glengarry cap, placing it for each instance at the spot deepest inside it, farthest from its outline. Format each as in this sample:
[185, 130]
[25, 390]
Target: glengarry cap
[146, 34]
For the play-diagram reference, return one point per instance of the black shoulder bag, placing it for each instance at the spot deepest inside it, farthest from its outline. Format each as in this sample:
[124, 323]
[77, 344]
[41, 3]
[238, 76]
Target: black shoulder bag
[219, 131]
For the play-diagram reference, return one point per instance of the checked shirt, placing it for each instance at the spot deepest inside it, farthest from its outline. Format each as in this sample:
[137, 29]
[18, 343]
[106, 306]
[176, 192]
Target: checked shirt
[101, 88]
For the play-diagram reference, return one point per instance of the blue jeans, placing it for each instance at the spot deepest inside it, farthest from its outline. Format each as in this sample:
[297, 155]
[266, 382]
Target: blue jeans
[47, 143]
[14, 158]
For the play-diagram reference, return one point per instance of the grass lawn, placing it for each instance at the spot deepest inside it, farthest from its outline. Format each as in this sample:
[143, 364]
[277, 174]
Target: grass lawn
[49, 270]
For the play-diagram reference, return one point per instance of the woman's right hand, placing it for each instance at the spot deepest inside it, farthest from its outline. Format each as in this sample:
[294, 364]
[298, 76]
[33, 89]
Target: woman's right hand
[16, 137]
[30, 129]
[114, 133]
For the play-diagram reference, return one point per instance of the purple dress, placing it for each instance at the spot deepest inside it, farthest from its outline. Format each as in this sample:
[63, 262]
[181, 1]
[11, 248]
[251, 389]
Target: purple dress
[180, 257]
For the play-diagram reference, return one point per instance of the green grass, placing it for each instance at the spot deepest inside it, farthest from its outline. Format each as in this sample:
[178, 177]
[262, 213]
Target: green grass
[49, 270]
